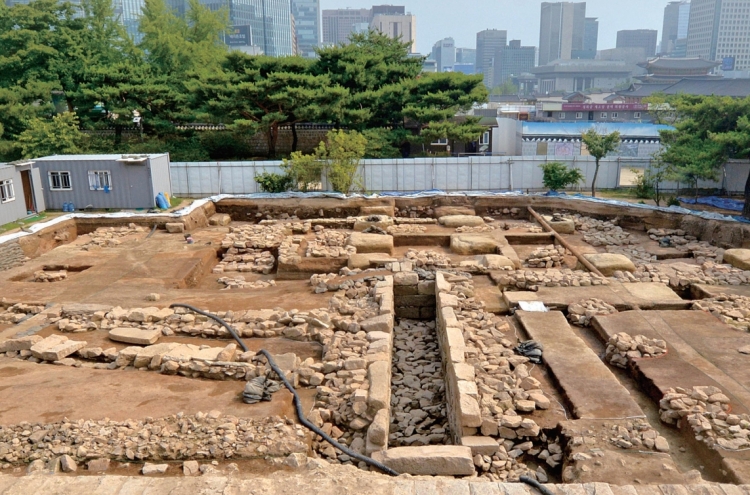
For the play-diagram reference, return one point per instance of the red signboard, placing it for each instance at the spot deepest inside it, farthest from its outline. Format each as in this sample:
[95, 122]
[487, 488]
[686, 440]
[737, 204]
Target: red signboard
[601, 107]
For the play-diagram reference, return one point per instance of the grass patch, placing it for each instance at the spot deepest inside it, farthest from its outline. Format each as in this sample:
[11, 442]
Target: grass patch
[26, 221]
[175, 202]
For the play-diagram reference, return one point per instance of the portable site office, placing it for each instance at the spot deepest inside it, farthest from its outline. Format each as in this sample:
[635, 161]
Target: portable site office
[104, 181]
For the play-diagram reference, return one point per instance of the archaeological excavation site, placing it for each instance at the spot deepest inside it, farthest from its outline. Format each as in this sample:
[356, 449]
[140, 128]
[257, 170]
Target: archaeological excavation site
[447, 344]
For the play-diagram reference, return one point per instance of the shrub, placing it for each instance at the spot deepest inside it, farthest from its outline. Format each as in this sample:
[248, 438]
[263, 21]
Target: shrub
[558, 176]
[644, 185]
[271, 182]
[673, 201]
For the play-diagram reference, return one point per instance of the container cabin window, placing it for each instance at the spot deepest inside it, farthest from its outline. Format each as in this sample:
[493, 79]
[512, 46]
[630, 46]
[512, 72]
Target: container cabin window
[485, 139]
[100, 180]
[59, 181]
[6, 191]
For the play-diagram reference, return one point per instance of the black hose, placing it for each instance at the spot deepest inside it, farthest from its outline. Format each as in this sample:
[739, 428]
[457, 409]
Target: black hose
[152, 231]
[297, 401]
[216, 318]
[536, 484]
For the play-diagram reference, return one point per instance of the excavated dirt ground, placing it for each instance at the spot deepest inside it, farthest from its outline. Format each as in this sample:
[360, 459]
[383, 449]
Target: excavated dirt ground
[163, 263]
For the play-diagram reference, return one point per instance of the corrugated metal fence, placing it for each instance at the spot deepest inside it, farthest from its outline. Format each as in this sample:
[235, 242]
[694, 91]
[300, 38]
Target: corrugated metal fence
[480, 173]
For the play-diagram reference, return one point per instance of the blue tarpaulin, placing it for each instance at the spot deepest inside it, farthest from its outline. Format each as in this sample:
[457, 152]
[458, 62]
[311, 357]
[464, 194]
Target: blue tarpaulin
[716, 202]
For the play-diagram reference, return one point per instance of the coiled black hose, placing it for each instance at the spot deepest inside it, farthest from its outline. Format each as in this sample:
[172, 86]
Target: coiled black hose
[297, 401]
[536, 484]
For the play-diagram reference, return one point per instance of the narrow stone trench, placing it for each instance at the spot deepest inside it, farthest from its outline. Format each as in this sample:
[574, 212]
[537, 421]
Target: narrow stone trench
[418, 408]
[681, 451]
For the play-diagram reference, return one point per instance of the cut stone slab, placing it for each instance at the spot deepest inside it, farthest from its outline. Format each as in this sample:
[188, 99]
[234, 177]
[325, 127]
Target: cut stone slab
[564, 226]
[609, 263]
[445, 211]
[371, 243]
[380, 323]
[738, 258]
[55, 348]
[175, 227]
[512, 298]
[365, 261]
[428, 460]
[379, 376]
[495, 261]
[21, 344]
[220, 219]
[591, 388]
[186, 352]
[481, 445]
[468, 244]
[454, 221]
[136, 336]
[147, 354]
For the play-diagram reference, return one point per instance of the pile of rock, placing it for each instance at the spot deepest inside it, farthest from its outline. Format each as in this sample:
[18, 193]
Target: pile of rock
[329, 244]
[550, 256]
[731, 309]
[580, 313]
[109, 236]
[706, 410]
[293, 227]
[289, 250]
[477, 229]
[246, 260]
[513, 212]
[14, 313]
[254, 236]
[418, 415]
[532, 280]
[239, 282]
[428, 259]
[414, 211]
[199, 436]
[680, 275]
[50, 276]
[637, 434]
[679, 239]
[623, 348]
[407, 228]
[637, 254]
[602, 232]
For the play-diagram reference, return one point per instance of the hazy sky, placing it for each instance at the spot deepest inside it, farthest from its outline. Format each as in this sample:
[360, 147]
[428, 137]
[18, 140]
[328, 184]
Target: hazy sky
[462, 19]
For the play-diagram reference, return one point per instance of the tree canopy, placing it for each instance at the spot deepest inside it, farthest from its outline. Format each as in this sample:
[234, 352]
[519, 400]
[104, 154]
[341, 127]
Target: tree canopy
[59, 57]
[599, 146]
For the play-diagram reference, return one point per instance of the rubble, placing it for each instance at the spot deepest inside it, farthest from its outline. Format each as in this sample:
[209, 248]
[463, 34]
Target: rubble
[680, 240]
[107, 237]
[329, 244]
[50, 276]
[547, 257]
[532, 280]
[707, 410]
[239, 282]
[15, 313]
[581, 312]
[733, 310]
[246, 260]
[602, 232]
[622, 348]
[637, 434]
[680, 275]
[407, 229]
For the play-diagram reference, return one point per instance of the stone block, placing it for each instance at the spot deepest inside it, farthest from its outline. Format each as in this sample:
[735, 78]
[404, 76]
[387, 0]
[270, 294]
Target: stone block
[481, 445]
[564, 226]
[426, 287]
[55, 348]
[221, 219]
[98, 465]
[454, 221]
[380, 323]
[367, 260]
[469, 413]
[445, 300]
[371, 243]
[20, 344]
[609, 263]
[379, 376]
[470, 244]
[146, 354]
[428, 460]
[135, 336]
[377, 433]
[444, 211]
[382, 222]
[417, 301]
[406, 290]
[405, 278]
[286, 362]
[386, 210]
[462, 371]
[468, 388]
[738, 258]
[495, 262]
[408, 312]
[427, 313]
[149, 468]
[175, 227]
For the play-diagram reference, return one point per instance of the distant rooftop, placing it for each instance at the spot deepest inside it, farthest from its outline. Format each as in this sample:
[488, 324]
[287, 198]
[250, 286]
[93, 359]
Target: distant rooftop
[575, 129]
[58, 158]
[736, 88]
[665, 63]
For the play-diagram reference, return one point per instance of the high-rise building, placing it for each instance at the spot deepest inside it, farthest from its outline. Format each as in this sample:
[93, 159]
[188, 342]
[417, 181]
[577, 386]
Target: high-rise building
[675, 27]
[590, 39]
[512, 60]
[395, 25]
[466, 56]
[719, 31]
[561, 32]
[638, 38]
[338, 24]
[306, 26]
[488, 41]
[444, 53]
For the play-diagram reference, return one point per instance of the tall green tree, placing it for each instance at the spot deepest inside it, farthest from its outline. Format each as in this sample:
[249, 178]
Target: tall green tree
[599, 146]
[708, 131]
[57, 136]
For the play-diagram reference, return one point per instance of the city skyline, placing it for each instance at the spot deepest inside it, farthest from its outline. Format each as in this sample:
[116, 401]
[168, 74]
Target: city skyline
[520, 20]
